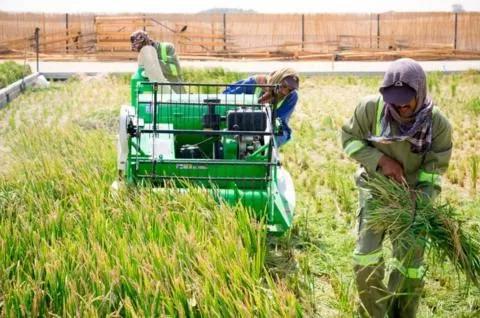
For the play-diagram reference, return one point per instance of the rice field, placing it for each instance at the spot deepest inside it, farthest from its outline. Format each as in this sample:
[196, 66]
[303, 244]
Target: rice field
[69, 247]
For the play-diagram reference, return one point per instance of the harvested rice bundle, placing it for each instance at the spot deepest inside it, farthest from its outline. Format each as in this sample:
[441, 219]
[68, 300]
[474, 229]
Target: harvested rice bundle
[412, 216]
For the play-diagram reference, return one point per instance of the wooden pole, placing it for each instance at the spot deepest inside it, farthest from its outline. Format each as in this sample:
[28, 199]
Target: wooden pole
[44, 33]
[370, 35]
[212, 32]
[66, 32]
[378, 30]
[37, 45]
[303, 32]
[224, 31]
[456, 32]
[96, 33]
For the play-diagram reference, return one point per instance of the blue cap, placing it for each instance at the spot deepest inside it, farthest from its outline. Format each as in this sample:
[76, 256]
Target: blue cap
[291, 81]
[398, 94]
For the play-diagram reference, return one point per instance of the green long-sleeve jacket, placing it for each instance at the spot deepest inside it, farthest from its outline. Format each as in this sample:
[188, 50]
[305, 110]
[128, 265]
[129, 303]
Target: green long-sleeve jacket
[421, 170]
[169, 61]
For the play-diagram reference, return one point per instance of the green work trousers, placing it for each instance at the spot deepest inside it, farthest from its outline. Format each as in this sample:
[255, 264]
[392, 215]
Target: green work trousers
[401, 296]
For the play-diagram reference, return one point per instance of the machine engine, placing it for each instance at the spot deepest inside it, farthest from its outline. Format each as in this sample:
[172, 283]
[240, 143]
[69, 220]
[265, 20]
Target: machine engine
[247, 119]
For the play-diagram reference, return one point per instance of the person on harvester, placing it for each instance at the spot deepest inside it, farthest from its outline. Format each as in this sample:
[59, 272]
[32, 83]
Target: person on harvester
[158, 60]
[284, 99]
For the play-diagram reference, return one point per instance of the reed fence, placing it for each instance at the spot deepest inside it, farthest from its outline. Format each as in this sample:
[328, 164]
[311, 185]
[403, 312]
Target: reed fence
[432, 35]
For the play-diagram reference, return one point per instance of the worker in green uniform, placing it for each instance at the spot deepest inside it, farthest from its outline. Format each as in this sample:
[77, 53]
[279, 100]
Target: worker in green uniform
[401, 134]
[158, 59]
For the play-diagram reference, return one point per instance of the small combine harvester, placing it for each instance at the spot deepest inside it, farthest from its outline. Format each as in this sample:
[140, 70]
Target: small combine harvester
[223, 143]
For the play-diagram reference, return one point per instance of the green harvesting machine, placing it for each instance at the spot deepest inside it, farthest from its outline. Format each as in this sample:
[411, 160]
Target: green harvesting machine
[177, 135]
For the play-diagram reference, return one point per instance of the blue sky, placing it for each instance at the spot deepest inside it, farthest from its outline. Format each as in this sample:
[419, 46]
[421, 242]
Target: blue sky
[193, 6]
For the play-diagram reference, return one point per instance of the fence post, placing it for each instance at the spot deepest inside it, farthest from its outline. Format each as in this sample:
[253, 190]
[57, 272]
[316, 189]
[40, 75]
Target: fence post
[303, 32]
[224, 31]
[37, 44]
[456, 30]
[370, 29]
[96, 33]
[378, 30]
[44, 34]
[66, 32]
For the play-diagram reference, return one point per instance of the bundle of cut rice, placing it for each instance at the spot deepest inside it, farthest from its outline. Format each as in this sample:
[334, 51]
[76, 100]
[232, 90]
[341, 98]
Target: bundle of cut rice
[413, 216]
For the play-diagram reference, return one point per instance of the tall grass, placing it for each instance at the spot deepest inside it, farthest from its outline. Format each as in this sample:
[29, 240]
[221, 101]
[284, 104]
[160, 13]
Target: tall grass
[474, 105]
[474, 161]
[433, 82]
[211, 75]
[68, 247]
[11, 72]
[453, 85]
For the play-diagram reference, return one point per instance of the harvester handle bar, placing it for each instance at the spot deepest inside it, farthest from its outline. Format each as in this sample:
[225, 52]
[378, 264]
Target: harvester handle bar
[207, 84]
[155, 90]
[200, 104]
[212, 162]
[273, 116]
[207, 132]
[204, 178]
[212, 101]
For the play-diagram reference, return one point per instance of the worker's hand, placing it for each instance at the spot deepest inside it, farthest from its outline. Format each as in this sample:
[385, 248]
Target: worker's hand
[391, 168]
[266, 97]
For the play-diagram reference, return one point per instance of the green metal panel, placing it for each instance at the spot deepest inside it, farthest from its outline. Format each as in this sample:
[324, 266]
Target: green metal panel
[230, 148]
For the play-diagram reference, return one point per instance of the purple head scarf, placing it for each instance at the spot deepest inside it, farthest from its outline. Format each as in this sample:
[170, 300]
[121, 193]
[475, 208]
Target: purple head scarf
[418, 129]
[139, 39]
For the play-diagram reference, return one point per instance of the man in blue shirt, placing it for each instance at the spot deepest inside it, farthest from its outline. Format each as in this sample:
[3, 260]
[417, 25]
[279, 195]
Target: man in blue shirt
[284, 99]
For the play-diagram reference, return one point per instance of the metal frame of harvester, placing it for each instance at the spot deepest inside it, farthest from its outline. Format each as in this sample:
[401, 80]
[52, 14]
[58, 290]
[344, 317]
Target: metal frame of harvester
[199, 136]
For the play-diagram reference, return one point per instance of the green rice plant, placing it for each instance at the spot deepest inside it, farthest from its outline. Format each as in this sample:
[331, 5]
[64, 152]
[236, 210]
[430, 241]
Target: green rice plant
[474, 105]
[342, 188]
[474, 161]
[433, 82]
[69, 247]
[211, 75]
[74, 248]
[392, 209]
[11, 72]
[472, 75]
[351, 80]
[453, 85]
[11, 121]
